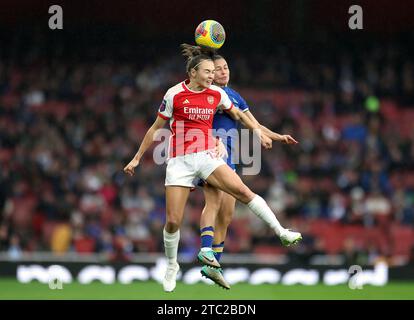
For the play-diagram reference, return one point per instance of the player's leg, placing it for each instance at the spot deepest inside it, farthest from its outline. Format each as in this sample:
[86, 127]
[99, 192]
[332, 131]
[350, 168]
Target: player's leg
[176, 198]
[223, 219]
[211, 269]
[228, 181]
[222, 223]
[212, 198]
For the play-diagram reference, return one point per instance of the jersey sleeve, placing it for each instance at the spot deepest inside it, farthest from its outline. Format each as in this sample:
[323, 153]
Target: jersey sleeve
[166, 108]
[225, 102]
[243, 106]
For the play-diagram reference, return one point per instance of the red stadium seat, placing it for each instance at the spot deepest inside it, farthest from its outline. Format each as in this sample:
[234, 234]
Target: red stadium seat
[356, 233]
[389, 110]
[84, 245]
[334, 239]
[319, 226]
[331, 233]
[47, 230]
[271, 250]
[402, 239]
[378, 238]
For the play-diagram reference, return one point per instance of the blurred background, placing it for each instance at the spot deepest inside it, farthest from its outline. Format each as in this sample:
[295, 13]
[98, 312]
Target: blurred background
[75, 104]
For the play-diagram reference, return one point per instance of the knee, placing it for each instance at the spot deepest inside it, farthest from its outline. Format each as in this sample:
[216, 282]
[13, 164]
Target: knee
[172, 224]
[244, 194]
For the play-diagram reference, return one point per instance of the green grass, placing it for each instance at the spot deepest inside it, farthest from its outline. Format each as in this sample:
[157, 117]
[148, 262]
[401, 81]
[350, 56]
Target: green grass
[11, 289]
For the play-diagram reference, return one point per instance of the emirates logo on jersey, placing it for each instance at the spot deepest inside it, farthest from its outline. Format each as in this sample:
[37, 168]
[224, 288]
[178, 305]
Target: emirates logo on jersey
[210, 99]
[197, 113]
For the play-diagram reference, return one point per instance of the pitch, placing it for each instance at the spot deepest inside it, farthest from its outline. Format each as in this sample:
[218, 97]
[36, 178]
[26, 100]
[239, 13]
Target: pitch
[152, 290]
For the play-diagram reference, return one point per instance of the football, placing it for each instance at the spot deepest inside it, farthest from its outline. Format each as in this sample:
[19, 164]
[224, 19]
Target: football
[210, 34]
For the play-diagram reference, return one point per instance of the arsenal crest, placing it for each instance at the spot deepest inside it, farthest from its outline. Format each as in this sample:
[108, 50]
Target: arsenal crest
[210, 99]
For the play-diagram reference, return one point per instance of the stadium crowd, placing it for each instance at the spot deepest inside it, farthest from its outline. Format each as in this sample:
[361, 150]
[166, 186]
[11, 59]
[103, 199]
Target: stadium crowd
[69, 125]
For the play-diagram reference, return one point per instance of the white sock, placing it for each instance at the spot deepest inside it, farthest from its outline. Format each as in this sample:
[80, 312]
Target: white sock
[171, 241]
[260, 208]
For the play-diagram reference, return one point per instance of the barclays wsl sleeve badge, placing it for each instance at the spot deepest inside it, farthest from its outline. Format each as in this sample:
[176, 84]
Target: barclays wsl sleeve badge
[162, 105]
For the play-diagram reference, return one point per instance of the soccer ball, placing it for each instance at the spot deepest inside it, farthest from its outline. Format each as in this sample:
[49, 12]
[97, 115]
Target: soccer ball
[210, 34]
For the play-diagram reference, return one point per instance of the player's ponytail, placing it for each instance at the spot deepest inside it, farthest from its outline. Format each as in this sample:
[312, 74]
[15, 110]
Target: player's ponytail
[190, 51]
[195, 55]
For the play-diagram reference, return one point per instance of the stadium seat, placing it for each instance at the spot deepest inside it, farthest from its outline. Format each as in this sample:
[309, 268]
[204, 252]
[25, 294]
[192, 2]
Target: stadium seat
[267, 249]
[356, 233]
[84, 245]
[402, 239]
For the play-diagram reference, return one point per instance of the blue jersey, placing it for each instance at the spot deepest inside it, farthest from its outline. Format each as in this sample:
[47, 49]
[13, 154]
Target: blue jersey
[226, 127]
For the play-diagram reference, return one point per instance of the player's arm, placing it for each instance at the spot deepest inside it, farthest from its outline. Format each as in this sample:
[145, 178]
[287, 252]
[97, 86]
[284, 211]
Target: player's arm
[145, 144]
[272, 135]
[236, 114]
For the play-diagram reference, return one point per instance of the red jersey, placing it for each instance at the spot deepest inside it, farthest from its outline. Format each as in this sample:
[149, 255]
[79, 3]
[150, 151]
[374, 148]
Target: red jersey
[191, 116]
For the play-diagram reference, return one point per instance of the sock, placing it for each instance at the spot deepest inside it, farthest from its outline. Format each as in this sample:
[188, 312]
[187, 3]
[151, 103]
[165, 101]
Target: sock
[218, 250]
[171, 241]
[260, 208]
[207, 236]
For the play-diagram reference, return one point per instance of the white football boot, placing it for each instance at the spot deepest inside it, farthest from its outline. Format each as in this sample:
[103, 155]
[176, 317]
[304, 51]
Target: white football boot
[289, 238]
[169, 281]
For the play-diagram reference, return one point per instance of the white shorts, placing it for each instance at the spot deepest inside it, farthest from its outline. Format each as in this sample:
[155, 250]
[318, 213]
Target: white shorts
[182, 170]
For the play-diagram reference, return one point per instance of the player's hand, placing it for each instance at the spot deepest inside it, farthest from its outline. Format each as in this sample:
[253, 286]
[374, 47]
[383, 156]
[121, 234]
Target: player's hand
[130, 167]
[285, 138]
[266, 141]
[221, 150]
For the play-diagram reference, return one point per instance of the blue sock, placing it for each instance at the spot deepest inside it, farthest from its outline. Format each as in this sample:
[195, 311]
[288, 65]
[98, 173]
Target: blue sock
[218, 250]
[207, 236]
